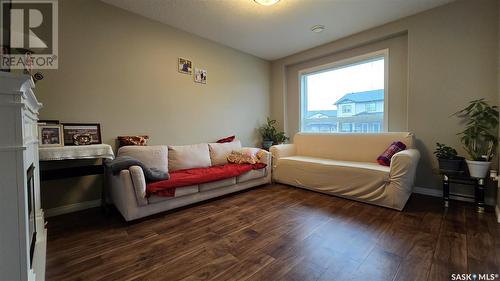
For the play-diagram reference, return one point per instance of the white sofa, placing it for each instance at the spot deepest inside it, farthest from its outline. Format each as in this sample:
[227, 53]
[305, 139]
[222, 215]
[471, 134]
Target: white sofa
[345, 165]
[128, 188]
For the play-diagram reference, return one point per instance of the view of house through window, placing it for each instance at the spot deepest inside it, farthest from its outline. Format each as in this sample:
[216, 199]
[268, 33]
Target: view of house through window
[347, 98]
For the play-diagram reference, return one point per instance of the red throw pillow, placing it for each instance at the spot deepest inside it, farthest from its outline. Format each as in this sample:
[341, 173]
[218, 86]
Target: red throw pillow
[395, 147]
[133, 140]
[228, 139]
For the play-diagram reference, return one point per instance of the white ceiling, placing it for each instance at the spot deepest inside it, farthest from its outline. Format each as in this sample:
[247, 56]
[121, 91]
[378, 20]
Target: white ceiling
[276, 31]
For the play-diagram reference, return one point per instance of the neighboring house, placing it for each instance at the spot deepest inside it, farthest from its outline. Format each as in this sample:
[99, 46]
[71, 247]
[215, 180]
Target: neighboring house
[356, 112]
[321, 121]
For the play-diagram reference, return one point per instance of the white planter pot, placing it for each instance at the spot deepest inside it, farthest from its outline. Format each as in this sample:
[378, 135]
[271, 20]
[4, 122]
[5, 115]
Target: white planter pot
[478, 169]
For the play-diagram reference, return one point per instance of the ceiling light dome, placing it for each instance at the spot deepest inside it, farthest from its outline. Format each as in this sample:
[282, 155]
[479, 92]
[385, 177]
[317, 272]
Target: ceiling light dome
[318, 28]
[266, 2]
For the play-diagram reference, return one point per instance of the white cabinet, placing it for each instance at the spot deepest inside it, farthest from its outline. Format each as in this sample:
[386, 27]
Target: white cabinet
[22, 230]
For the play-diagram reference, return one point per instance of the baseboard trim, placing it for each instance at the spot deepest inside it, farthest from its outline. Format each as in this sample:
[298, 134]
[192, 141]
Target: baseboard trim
[438, 193]
[497, 211]
[72, 208]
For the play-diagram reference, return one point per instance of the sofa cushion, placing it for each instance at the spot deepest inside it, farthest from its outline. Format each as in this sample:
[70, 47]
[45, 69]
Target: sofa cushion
[220, 151]
[251, 175]
[217, 184]
[179, 192]
[151, 156]
[188, 156]
[198, 176]
[346, 178]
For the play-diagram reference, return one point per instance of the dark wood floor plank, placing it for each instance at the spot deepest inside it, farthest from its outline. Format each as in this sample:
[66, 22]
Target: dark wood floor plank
[417, 262]
[276, 232]
[450, 256]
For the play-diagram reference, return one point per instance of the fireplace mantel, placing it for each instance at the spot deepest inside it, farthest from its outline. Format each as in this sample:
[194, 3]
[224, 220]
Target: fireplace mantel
[19, 176]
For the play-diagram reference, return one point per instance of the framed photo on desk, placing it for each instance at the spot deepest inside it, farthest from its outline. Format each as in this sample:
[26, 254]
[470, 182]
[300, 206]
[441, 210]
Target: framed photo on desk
[71, 130]
[50, 135]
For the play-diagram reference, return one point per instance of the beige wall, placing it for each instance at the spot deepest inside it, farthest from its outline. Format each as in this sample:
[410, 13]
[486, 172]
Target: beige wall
[451, 58]
[120, 69]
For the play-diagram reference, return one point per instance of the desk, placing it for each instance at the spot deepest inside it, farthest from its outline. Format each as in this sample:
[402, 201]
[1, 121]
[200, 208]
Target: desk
[77, 152]
[460, 178]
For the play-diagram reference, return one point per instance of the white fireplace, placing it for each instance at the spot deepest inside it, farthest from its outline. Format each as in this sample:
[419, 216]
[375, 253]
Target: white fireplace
[22, 230]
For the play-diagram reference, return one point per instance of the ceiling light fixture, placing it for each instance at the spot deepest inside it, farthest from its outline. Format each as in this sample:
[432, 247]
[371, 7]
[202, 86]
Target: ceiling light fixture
[318, 28]
[266, 2]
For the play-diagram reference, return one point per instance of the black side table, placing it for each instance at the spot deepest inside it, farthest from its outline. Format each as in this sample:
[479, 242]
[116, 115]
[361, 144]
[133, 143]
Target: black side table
[459, 178]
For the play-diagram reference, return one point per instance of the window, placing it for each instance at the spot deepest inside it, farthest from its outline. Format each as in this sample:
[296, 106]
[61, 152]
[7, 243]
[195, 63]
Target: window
[350, 93]
[346, 127]
[347, 108]
[376, 128]
[364, 127]
[371, 107]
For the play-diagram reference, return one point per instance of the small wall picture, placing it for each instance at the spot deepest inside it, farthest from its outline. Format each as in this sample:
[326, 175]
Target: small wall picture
[185, 66]
[82, 133]
[50, 135]
[200, 76]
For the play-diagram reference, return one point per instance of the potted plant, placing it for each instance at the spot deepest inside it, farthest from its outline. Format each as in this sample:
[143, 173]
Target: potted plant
[270, 134]
[480, 137]
[448, 158]
[280, 138]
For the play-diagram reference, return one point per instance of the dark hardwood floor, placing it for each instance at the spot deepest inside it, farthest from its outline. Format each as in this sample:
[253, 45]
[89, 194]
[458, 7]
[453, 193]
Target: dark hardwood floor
[277, 233]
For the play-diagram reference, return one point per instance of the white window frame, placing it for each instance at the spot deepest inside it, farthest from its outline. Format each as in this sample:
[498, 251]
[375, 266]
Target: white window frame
[371, 103]
[341, 64]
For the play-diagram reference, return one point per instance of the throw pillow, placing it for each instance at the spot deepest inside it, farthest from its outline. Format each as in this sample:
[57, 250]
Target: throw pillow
[228, 139]
[188, 156]
[238, 157]
[220, 151]
[155, 156]
[246, 156]
[395, 147]
[132, 140]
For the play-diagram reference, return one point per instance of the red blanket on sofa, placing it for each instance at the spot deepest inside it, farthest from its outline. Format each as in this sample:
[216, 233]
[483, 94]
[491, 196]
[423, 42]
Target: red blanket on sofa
[188, 177]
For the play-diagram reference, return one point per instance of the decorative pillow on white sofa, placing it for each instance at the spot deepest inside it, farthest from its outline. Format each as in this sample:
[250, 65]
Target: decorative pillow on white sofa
[188, 156]
[220, 151]
[152, 156]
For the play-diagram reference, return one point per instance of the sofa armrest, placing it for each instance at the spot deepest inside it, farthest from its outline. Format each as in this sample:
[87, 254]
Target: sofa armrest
[129, 186]
[282, 150]
[139, 182]
[404, 167]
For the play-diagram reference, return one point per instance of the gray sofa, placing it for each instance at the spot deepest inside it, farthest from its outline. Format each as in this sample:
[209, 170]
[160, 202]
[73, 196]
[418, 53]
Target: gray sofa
[128, 188]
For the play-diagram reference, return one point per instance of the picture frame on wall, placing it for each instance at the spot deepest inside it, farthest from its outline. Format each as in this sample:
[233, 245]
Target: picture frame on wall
[200, 76]
[185, 66]
[75, 132]
[50, 135]
[48, 122]
[5, 49]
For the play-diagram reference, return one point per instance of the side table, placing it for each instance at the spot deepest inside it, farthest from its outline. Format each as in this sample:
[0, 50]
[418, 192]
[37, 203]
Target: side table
[78, 152]
[459, 178]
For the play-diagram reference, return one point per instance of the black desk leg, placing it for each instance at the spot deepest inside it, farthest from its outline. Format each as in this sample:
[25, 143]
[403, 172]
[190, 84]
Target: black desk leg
[104, 194]
[446, 191]
[479, 195]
